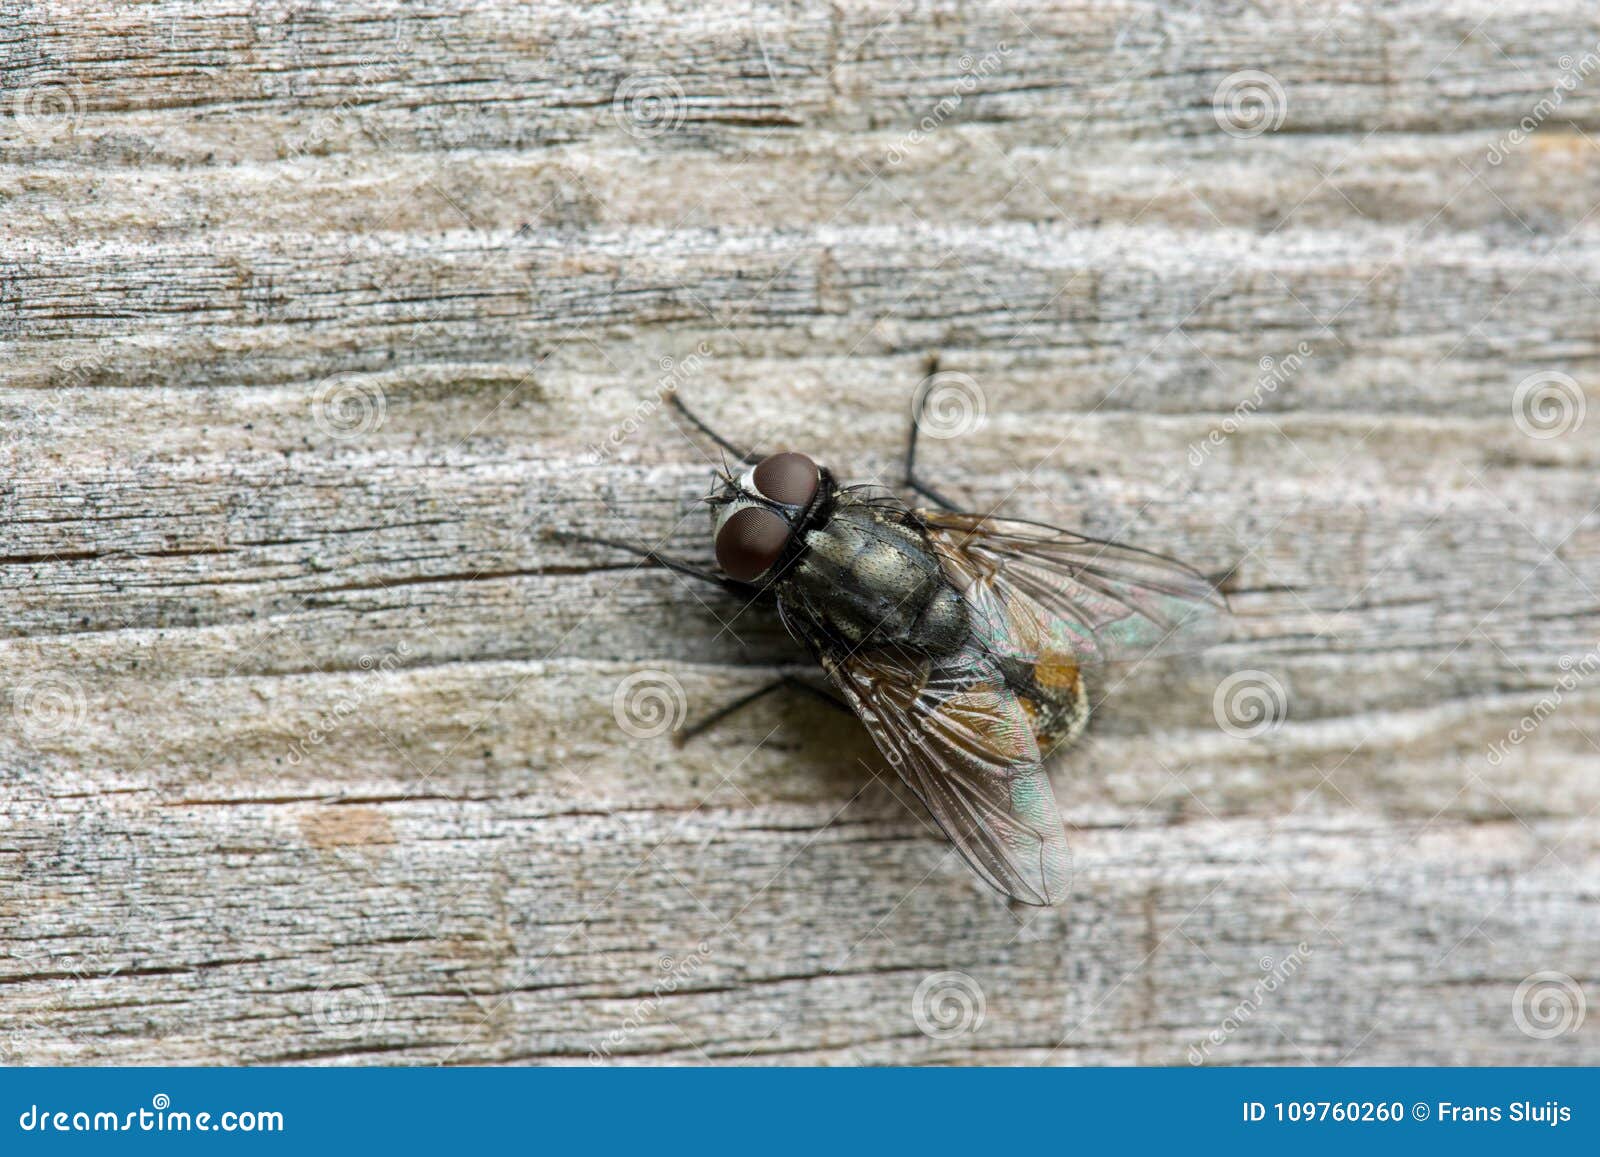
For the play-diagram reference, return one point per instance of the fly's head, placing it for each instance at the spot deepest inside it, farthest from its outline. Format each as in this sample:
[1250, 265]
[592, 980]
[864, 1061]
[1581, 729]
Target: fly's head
[759, 518]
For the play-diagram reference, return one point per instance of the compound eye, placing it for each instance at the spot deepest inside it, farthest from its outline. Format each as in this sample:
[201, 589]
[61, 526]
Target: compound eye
[750, 542]
[788, 478]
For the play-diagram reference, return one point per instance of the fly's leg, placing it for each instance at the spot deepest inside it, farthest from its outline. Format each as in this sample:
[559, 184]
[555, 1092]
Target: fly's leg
[789, 682]
[748, 457]
[731, 585]
[920, 403]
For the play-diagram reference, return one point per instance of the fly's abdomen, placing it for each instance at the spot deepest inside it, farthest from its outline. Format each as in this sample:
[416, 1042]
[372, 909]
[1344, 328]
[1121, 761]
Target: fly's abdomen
[1057, 705]
[870, 579]
[1049, 683]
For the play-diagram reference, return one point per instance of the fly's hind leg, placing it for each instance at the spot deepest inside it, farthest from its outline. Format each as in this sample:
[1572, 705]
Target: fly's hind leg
[789, 682]
[918, 405]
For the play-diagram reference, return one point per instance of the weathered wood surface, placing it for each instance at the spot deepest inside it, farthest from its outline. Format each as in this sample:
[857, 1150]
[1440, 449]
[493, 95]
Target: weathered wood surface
[310, 316]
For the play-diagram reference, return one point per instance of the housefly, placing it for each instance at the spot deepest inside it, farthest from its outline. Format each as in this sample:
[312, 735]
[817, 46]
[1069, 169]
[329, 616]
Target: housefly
[959, 640]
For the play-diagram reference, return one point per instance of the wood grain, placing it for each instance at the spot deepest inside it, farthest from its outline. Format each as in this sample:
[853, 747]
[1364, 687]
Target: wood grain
[316, 318]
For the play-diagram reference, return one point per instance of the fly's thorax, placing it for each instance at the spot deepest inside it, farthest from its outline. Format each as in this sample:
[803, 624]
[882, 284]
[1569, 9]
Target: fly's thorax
[869, 577]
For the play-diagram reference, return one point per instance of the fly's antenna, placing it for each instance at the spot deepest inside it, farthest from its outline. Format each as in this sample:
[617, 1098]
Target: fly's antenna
[722, 486]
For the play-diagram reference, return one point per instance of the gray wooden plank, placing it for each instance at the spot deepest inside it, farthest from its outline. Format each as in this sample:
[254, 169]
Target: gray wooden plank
[315, 750]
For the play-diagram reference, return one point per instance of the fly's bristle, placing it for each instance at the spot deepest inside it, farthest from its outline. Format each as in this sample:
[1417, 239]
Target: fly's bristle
[722, 489]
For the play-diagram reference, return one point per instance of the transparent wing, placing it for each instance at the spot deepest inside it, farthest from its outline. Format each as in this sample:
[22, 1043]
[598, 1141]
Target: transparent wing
[1062, 593]
[959, 738]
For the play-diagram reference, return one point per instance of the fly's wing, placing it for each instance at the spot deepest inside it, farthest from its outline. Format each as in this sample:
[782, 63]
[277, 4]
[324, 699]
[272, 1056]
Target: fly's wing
[959, 738]
[1064, 594]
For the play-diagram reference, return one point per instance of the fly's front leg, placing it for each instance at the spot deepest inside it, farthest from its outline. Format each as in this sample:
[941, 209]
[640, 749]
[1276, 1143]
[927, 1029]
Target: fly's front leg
[748, 457]
[744, 590]
[789, 682]
[918, 405]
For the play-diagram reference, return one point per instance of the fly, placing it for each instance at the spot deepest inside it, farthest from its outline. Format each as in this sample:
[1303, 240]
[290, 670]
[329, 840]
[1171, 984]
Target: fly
[959, 640]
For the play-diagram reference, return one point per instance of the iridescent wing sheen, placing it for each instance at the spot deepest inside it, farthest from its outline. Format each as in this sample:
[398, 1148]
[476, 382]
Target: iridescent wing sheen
[1059, 593]
[959, 738]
